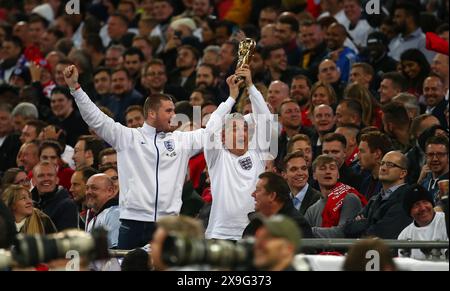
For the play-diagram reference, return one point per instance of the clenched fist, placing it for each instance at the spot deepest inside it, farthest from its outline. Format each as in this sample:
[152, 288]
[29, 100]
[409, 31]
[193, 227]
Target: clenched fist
[71, 76]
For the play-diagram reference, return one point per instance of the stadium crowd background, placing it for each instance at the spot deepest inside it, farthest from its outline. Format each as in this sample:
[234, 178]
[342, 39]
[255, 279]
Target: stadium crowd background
[361, 101]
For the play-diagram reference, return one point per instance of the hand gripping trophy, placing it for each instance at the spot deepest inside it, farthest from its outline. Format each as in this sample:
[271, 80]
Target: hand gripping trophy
[245, 54]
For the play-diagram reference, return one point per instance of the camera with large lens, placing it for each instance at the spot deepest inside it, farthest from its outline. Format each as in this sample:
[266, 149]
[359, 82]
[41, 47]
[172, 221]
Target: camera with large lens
[182, 251]
[30, 250]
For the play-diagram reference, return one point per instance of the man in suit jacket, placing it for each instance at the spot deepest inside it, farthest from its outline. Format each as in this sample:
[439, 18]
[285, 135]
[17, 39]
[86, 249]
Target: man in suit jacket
[296, 174]
[384, 216]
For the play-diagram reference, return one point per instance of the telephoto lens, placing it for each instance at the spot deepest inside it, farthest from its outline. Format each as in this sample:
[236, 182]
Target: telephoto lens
[32, 250]
[182, 251]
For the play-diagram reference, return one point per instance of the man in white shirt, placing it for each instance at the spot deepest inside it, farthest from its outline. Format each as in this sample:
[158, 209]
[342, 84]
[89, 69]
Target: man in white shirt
[234, 162]
[428, 224]
[152, 162]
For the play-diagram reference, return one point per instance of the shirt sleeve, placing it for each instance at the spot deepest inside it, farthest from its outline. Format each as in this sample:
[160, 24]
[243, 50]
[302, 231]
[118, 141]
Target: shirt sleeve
[114, 133]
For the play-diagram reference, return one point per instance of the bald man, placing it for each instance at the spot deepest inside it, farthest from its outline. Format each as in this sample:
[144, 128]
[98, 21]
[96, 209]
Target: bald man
[278, 92]
[384, 216]
[330, 73]
[102, 201]
[342, 55]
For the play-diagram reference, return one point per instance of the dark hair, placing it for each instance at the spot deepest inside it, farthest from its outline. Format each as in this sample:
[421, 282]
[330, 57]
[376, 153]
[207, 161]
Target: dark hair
[437, 139]
[411, 10]
[332, 136]
[121, 69]
[377, 141]
[87, 172]
[106, 152]
[185, 108]
[397, 79]
[289, 20]
[95, 41]
[367, 68]
[234, 44]
[293, 155]
[442, 28]
[267, 51]
[134, 108]
[229, 25]
[354, 106]
[50, 144]
[277, 184]
[396, 112]
[102, 69]
[62, 90]
[302, 77]
[37, 18]
[193, 50]
[154, 101]
[357, 259]
[415, 55]
[15, 40]
[121, 17]
[134, 51]
[214, 70]
[39, 125]
[93, 144]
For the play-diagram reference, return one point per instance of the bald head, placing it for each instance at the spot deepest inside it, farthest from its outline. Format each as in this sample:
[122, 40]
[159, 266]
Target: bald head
[336, 35]
[278, 91]
[439, 66]
[328, 72]
[99, 190]
[393, 169]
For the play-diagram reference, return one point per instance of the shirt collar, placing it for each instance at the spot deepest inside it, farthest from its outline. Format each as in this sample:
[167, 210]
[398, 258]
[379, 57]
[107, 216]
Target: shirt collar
[301, 194]
[416, 33]
[385, 194]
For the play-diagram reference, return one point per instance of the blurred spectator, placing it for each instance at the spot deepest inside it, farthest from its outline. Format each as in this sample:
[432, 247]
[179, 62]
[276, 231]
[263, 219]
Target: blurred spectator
[415, 68]
[134, 116]
[22, 113]
[29, 220]
[392, 84]
[357, 258]
[78, 192]
[314, 47]
[434, 95]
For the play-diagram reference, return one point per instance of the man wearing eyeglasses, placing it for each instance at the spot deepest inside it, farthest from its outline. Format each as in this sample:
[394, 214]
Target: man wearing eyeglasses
[436, 152]
[384, 216]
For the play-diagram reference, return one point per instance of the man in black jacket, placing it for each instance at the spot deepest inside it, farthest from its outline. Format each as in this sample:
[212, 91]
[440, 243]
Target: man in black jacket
[296, 175]
[51, 199]
[384, 216]
[9, 141]
[271, 198]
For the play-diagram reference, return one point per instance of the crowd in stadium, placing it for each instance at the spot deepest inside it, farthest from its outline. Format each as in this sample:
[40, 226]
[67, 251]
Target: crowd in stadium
[140, 117]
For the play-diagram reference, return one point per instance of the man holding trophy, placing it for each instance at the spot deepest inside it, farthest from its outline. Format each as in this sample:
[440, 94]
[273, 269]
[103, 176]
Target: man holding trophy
[236, 159]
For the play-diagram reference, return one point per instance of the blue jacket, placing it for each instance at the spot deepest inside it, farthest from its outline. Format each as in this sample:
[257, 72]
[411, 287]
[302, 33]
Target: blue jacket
[431, 185]
[346, 58]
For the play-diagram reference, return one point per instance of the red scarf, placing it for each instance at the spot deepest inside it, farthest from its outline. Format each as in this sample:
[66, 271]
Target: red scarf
[332, 211]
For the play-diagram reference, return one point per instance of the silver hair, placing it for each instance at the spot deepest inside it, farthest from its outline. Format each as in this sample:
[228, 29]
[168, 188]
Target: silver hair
[26, 109]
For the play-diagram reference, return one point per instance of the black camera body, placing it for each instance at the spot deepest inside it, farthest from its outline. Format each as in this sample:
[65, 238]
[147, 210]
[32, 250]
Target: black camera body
[182, 251]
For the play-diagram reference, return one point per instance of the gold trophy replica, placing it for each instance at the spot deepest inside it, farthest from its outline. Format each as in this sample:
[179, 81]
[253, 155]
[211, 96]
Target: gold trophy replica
[245, 53]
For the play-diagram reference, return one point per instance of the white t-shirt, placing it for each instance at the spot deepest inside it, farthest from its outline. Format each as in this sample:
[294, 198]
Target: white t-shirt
[436, 230]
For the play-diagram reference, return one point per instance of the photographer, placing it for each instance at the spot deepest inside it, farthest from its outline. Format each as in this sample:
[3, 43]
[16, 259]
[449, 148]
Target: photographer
[183, 226]
[276, 243]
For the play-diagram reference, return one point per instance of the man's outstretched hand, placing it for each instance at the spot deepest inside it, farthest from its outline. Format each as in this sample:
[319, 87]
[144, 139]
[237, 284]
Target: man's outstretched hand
[234, 87]
[71, 76]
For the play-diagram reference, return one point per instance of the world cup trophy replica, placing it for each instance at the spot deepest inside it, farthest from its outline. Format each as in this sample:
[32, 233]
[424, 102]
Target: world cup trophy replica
[245, 54]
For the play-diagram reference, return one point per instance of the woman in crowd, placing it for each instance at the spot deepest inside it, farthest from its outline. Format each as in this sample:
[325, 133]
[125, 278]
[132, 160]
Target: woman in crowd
[28, 220]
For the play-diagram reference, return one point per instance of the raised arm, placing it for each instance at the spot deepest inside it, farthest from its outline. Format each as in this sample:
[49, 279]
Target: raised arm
[112, 132]
[215, 121]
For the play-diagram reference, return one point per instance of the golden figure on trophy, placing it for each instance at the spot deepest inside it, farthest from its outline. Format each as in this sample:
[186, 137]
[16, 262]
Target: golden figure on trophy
[245, 53]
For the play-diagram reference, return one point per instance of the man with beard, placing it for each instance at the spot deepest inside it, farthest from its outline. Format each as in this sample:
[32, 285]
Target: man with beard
[207, 78]
[376, 55]
[11, 52]
[78, 191]
[186, 62]
[324, 122]
[434, 93]
[133, 60]
[342, 55]
[300, 91]
[123, 96]
[410, 35]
